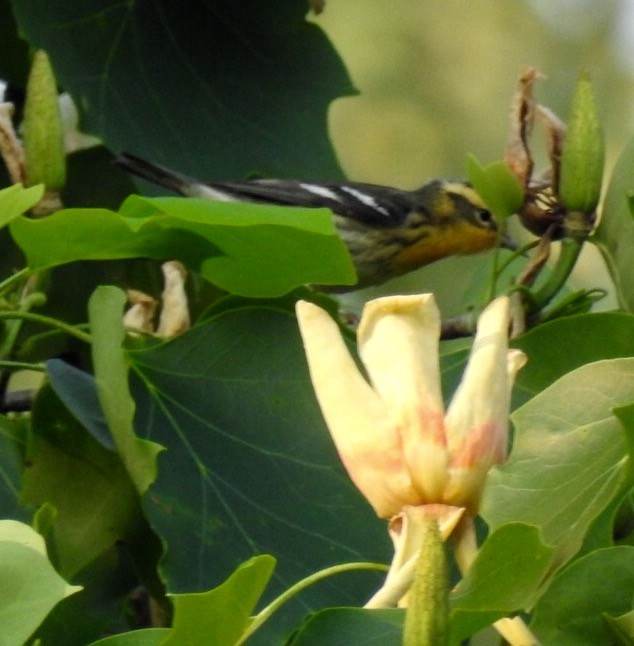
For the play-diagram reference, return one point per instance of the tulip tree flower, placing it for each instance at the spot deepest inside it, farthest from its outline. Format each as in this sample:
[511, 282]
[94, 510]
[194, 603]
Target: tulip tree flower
[409, 457]
[397, 442]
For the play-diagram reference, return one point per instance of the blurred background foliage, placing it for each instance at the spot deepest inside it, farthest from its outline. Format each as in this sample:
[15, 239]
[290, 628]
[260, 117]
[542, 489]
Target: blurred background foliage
[435, 80]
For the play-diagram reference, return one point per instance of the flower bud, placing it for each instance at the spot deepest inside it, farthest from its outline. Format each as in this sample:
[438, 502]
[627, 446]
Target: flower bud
[42, 128]
[583, 153]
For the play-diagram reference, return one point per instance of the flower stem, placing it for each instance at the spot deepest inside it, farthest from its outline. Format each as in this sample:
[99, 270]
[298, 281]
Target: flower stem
[570, 250]
[265, 613]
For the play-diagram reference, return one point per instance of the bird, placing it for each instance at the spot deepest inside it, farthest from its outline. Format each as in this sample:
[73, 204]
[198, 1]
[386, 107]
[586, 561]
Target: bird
[387, 231]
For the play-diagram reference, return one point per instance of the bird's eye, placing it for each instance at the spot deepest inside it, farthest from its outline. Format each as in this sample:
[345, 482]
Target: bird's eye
[483, 216]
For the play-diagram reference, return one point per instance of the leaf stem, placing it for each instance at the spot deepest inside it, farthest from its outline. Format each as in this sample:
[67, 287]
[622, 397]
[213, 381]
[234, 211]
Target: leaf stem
[47, 320]
[265, 613]
[21, 365]
[9, 282]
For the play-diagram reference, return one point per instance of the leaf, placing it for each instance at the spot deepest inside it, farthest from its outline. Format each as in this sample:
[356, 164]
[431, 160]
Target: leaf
[274, 248]
[221, 615]
[569, 458]
[95, 502]
[615, 234]
[249, 466]
[622, 627]
[91, 181]
[105, 311]
[110, 584]
[144, 637]
[31, 587]
[13, 439]
[499, 188]
[247, 249]
[77, 390]
[502, 580]
[217, 90]
[16, 200]
[551, 354]
[345, 626]
[572, 611]
[15, 62]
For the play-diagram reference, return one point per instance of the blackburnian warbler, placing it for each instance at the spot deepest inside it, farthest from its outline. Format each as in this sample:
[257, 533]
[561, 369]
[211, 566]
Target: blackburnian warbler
[388, 231]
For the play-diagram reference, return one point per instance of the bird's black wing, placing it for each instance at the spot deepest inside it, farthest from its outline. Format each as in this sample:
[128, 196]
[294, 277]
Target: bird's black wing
[368, 203]
[365, 203]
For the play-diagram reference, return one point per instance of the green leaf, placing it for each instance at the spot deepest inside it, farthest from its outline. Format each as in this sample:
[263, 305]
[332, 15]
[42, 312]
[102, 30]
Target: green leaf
[16, 200]
[552, 354]
[260, 245]
[144, 637]
[498, 187]
[569, 458]
[583, 153]
[615, 234]
[345, 626]
[91, 182]
[15, 62]
[250, 466]
[30, 585]
[94, 499]
[109, 583]
[252, 250]
[622, 628]
[221, 615]
[502, 580]
[572, 611]
[218, 91]
[77, 390]
[105, 311]
[13, 440]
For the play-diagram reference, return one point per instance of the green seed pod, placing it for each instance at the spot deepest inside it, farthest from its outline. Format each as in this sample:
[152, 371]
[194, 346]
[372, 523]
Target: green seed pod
[42, 128]
[583, 153]
[427, 618]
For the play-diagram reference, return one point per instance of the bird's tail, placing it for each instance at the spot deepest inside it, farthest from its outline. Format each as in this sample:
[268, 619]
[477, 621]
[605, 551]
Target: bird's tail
[155, 173]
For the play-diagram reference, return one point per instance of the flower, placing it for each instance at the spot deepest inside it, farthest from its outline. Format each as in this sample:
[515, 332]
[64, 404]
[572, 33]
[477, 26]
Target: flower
[392, 433]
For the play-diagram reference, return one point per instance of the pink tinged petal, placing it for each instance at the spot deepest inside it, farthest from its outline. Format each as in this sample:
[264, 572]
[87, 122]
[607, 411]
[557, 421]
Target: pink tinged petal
[360, 424]
[477, 419]
[482, 398]
[398, 343]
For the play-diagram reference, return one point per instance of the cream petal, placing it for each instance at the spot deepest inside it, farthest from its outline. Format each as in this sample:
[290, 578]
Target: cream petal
[398, 343]
[407, 534]
[477, 419]
[515, 361]
[174, 317]
[360, 424]
[482, 398]
[471, 463]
